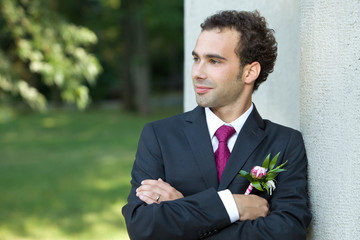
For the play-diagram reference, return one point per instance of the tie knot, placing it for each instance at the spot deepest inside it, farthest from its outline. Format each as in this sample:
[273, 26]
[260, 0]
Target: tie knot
[224, 133]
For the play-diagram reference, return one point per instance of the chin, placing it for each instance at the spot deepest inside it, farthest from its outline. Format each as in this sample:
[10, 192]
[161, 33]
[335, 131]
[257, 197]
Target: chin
[206, 100]
[203, 103]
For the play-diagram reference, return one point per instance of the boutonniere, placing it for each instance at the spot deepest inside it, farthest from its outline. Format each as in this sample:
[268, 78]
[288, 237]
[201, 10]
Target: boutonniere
[263, 177]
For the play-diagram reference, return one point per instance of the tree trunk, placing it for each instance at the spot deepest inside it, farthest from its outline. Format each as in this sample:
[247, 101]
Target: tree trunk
[136, 73]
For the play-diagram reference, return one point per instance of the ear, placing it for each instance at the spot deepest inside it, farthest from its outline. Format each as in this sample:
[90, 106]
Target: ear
[251, 72]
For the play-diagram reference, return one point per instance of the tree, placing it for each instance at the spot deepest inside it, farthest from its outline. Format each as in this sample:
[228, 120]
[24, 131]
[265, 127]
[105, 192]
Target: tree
[136, 72]
[140, 47]
[39, 48]
[153, 43]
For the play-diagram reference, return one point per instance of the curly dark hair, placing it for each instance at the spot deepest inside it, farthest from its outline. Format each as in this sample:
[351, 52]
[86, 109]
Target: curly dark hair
[257, 41]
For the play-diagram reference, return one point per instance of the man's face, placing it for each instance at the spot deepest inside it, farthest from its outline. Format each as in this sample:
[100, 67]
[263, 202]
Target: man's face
[216, 71]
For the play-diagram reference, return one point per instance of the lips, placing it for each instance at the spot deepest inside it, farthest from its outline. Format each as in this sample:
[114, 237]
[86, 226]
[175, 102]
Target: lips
[202, 89]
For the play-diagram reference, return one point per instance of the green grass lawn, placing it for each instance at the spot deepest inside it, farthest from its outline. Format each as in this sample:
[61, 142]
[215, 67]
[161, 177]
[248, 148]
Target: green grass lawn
[65, 175]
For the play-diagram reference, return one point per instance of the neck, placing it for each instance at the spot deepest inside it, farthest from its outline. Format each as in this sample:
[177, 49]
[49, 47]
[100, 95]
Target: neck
[230, 113]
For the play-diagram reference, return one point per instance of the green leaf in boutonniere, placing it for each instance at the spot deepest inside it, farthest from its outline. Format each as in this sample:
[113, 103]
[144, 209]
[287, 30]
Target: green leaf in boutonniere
[257, 185]
[266, 162]
[263, 177]
[273, 161]
[245, 175]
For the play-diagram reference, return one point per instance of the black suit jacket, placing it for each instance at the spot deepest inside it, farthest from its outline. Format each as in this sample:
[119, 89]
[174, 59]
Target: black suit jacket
[178, 150]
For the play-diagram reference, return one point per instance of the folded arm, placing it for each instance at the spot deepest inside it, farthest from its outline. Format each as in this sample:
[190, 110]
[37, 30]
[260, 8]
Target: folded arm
[156, 191]
[184, 218]
[203, 214]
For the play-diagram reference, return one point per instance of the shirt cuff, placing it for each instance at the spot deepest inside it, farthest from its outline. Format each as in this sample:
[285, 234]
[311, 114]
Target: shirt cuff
[230, 205]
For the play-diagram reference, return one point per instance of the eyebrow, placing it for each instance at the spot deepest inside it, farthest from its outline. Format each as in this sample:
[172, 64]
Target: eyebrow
[210, 56]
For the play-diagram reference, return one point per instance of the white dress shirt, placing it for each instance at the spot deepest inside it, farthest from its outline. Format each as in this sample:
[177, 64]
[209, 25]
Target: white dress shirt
[213, 123]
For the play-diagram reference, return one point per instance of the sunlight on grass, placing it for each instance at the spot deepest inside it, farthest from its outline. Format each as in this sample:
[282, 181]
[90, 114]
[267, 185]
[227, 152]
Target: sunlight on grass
[66, 175]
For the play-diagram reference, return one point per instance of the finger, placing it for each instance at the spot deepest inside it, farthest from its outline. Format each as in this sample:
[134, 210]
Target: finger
[152, 195]
[148, 197]
[155, 182]
[149, 182]
[150, 188]
[160, 184]
[153, 192]
[166, 191]
[159, 181]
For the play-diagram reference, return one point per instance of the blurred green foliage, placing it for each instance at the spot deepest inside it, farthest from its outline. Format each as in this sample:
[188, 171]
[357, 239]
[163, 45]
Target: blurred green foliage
[38, 43]
[45, 49]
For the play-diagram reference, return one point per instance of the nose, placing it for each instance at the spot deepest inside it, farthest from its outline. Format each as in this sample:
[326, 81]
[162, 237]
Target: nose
[198, 71]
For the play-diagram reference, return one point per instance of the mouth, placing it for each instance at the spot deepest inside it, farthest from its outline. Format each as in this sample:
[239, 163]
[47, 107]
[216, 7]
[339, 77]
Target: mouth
[202, 89]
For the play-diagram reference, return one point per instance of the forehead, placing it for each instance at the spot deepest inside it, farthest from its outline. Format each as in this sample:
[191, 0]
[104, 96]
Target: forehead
[216, 41]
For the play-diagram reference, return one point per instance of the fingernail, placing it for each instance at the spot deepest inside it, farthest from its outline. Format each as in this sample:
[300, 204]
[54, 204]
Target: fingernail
[142, 182]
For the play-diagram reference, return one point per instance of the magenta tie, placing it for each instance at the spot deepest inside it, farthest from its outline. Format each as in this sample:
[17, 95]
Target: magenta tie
[222, 153]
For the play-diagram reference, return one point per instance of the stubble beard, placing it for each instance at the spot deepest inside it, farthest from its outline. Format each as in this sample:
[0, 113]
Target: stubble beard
[211, 100]
[205, 101]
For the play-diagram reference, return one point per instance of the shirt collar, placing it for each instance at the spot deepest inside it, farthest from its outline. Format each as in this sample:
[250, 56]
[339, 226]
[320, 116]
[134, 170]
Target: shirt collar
[214, 122]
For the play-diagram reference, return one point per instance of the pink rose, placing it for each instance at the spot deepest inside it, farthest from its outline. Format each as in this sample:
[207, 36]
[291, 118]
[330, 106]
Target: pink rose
[258, 172]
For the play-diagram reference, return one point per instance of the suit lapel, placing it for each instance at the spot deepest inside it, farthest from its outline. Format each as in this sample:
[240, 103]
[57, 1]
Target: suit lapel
[197, 134]
[250, 136]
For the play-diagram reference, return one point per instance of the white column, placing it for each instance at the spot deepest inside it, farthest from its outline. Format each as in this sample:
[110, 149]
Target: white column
[278, 98]
[330, 114]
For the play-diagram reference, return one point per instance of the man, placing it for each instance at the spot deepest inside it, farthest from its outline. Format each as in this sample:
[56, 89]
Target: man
[184, 183]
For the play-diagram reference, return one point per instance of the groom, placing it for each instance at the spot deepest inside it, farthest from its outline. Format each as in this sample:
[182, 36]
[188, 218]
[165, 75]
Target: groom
[185, 181]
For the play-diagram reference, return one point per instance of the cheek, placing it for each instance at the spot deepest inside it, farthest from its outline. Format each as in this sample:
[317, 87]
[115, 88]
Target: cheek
[226, 79]
[219, 75]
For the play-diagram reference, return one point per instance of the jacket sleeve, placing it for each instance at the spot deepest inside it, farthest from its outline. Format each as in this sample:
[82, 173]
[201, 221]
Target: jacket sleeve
[191, 217]
[289, 205]
[203, 215]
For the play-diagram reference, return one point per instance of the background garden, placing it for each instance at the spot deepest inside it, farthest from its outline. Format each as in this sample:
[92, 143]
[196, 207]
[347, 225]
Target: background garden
[78, 81]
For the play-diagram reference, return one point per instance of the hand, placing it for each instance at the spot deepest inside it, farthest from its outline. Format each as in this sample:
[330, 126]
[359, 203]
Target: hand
[251, 206]
[156, 191]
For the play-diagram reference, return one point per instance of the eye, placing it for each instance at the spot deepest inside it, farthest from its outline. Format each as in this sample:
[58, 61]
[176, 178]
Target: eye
[196, 59]
[213, 61]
